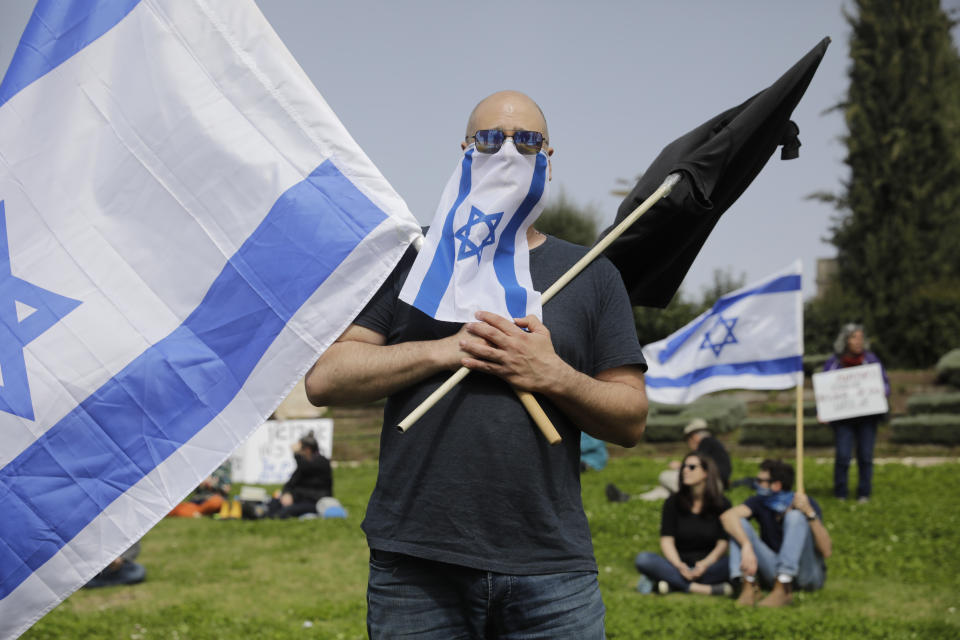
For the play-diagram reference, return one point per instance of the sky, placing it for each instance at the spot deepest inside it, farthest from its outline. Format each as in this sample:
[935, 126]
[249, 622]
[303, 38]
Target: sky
[617, 80]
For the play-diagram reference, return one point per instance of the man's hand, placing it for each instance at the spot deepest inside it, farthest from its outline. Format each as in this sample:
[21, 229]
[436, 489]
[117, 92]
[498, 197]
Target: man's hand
[525, 359]
[748, 561]
[802, 503]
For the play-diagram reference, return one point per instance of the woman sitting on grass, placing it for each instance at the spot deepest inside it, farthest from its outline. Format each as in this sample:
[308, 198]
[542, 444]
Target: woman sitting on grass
[692, 540]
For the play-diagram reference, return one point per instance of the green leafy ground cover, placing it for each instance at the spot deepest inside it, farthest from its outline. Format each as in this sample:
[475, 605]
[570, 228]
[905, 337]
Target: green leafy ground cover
[895, 573]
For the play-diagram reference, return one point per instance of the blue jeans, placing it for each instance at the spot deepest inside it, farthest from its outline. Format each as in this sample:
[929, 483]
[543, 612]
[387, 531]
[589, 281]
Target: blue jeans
[656, 567]
[864, 432]
[797, 556]
[410, 597]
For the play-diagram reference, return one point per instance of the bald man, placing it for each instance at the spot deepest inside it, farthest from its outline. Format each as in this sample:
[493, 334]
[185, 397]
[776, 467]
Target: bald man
[476, 528]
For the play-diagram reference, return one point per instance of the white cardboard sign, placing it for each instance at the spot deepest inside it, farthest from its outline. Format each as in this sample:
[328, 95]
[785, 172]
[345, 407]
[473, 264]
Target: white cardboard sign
[849, 393]
[267, 457]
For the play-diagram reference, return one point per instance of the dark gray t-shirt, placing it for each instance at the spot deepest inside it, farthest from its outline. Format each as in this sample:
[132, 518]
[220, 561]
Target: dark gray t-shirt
[473, 482]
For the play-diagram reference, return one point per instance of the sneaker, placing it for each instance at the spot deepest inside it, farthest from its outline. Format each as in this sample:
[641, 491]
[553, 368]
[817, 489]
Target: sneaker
[722, 589]
[644, 584]
[749, 594]
[781, 596]
[663, 587]
[615, 495]
[128, 573]
[863, 500]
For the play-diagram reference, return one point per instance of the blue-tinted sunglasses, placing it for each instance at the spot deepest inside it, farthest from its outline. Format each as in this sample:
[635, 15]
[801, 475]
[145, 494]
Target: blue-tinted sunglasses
[527, 143]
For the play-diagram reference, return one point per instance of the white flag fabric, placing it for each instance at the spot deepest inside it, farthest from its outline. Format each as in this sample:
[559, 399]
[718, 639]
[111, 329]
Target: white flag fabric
[475, 256]
[751, 338]
[184, 226]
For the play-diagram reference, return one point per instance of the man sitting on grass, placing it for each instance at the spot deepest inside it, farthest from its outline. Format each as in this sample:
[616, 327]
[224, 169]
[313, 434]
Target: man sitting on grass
[792, 544]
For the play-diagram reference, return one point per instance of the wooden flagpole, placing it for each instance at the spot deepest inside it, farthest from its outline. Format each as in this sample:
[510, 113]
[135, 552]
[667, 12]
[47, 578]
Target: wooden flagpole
[799, 487]
[662, 191]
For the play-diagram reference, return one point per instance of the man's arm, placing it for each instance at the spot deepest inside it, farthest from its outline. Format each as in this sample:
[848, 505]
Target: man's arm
[360, 367]
[611, 406]
[821, 537]
[730, 519]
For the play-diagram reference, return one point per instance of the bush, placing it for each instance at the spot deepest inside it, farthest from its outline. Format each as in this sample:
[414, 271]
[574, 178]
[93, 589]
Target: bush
[948, 368]
[665, 422]
[934, 403]
[814, 363]
[782, 432]
[927, 429]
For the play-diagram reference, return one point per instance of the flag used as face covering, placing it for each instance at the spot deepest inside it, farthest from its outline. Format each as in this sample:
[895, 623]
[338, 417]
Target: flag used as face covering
[184, 226]
[475, 256]
[751, 338]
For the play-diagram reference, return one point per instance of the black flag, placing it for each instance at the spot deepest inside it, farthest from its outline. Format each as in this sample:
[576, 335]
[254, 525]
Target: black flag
[717, 160]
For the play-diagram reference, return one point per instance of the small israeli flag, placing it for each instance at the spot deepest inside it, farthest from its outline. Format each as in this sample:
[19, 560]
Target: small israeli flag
[751, 338]
[475, 256]
[185, 226]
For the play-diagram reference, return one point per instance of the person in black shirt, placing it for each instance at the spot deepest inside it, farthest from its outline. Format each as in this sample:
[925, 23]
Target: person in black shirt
[311, 481]
[692, 540]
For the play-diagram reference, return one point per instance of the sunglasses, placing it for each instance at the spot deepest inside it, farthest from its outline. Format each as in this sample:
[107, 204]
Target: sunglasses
[691, 467]
[762, 480]
[528, 143]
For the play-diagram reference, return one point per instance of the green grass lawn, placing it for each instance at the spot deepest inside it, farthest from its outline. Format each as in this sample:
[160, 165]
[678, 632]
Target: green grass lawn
[895, 571]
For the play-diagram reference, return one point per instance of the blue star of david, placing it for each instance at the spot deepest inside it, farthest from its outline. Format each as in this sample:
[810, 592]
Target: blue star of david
[42, 309]
[722, 325]
[468, 247]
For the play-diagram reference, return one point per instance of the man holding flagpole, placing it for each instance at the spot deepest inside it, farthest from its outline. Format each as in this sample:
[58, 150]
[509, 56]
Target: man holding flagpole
[476, 526]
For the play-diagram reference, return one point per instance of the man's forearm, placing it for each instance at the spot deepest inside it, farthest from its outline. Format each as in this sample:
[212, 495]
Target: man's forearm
[733, 526]
[605, 408]
[821, 538]
[355, 372]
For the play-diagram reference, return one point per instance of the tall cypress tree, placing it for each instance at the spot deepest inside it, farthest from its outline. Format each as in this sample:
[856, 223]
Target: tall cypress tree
[898, 238]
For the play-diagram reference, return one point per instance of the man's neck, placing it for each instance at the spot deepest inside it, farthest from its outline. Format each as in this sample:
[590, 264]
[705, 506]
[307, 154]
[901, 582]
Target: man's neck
[535, 238]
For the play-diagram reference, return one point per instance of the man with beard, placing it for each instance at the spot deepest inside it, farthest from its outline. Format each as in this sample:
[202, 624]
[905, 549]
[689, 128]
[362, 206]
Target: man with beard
[476, 526]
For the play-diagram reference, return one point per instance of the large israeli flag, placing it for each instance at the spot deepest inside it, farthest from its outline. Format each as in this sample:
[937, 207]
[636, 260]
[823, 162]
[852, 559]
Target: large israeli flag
[475, 256]
[751, 338]
[184, 226]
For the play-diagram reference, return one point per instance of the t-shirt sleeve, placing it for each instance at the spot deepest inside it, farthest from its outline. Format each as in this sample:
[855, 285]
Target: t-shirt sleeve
[754, 503]
[378, 314]
[616, 340]
[668, 518]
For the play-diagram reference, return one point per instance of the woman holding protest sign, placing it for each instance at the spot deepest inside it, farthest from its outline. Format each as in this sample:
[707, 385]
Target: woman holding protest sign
[851, 349]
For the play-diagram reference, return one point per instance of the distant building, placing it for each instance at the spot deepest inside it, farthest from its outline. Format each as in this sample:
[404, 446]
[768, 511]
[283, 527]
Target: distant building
[826, 275]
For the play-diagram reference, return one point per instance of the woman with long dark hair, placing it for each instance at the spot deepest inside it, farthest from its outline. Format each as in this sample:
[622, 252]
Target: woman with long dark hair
[692, 540]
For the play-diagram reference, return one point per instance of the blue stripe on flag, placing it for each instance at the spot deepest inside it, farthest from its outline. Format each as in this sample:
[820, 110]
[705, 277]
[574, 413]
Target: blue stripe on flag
[137, 419]
[56, 31]
[503, 262]
[779, 366]
[777, 285]
[438, 275]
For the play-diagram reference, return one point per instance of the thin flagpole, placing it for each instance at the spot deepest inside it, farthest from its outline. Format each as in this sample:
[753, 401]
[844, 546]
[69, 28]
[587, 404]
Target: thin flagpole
[800, 435]
[662, 191]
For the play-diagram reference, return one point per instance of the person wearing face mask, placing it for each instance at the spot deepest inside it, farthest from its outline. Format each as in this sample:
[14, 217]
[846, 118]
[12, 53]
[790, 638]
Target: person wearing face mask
[476, 526]
[792, 545]
[851, 349]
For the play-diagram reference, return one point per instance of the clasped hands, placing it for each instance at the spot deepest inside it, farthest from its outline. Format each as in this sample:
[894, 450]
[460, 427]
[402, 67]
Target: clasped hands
[501, 347]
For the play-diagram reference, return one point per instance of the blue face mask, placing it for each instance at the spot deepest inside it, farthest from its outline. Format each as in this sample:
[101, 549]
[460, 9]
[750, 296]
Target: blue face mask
[764, 491]
[779, 501]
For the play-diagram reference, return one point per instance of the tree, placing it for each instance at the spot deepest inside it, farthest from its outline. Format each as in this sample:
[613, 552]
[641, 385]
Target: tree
[899, 228]
[566, 220]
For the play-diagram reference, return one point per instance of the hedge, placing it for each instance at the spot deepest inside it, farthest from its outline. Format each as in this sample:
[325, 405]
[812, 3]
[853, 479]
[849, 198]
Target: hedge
[782, 432]
[934, 403]
[926, 429]
[666, 422]
[948, 368]
[814, 363]
[781, 408]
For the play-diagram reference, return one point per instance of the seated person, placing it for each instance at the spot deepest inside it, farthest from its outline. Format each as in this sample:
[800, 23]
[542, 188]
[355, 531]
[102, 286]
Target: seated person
[312, 480]
[123, 570]
[791, 547]
[208, 497]
[698, 438]
[692, 540]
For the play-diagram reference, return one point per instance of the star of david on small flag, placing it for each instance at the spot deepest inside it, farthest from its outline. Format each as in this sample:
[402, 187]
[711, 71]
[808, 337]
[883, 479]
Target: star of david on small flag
[26, 311]
[473, 237]
[722, 327]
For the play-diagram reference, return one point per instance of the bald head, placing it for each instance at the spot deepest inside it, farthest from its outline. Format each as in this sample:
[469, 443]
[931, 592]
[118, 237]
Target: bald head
[508, 111]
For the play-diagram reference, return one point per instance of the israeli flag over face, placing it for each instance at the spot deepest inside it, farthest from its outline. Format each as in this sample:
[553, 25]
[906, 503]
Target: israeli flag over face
[751, 338]
[184, 226]
[475, 256]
